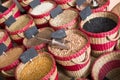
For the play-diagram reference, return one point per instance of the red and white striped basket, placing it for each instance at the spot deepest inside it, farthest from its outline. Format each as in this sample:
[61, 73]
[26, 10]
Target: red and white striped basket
[107, 66]
[77, 63]
[16, 30]
[41, 13]
[65, 4]
[104, 41]
[25, 3]
[68, 19]
[4, 38]
[12, 10]
[43, 60]
[103, 6]
[43, 33]
[10, 60]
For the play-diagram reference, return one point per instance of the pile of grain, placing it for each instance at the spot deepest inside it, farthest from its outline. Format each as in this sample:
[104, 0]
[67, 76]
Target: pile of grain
[12, 55]
[37, 69]
[42, 8]
[64, 18]
[77, 42]
[20, 23]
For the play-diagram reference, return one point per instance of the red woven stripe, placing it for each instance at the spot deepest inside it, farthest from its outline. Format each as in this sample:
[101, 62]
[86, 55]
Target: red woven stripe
[101, 47]
[108, 67]
[76, 67]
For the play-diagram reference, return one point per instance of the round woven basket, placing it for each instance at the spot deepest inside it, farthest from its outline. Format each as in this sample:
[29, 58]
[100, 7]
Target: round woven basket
[42, 67]
[65, 4]
[16, 30]
[103, 4]
[25, 4]
[77, 56]
[4, 38]
[36, 43]
[10, 60]
[68, 19]
[116, 9]
[12, 10]
[107, 66]
[41, 13]
[102, 41]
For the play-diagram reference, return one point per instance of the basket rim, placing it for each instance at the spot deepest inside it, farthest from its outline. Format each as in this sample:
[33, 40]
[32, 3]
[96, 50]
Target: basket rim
[72, 56]
[68, 23]
[14, 63]
[105, 54]
[101, 7]
[44, 14]
[102, 34]
[63, 1]
[50, 72]
[24, 28]
[9, 9]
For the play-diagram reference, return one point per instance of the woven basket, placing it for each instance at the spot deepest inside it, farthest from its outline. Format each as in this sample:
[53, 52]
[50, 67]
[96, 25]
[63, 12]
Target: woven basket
[11, 59]
[38, 44]
[25, 4]
[73, 60]
[4, 38]
[16, 30]
[68, 19]
[12, 10]
[45, 68]
[116, 9]
[103, 4]
[103, 41]
[65, 4]
[107, 66]
[41, 13]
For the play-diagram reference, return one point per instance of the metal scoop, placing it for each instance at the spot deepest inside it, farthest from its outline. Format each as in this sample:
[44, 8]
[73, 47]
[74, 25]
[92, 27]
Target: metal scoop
[54, 42]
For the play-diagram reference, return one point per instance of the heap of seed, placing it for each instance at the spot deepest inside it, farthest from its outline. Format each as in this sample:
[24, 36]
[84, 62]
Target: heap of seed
[42, 8]
[64, 18]
[77, 42]
[99, 24]
[20, 23]
[45, 33]
[37, 69]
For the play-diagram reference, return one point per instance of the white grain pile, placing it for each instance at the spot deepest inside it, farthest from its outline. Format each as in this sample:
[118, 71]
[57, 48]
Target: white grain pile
[42, 8]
